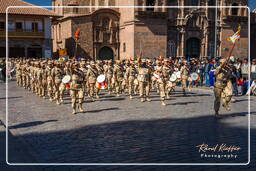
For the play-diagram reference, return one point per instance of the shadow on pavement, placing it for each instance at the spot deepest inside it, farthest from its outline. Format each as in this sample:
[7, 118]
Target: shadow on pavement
[30, 124]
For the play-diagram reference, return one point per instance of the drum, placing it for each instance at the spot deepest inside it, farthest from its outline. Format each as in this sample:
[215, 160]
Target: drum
[66, 80]
[156, 76]
[101, 82]
[173, 78]
[194, 76]
[178, 74]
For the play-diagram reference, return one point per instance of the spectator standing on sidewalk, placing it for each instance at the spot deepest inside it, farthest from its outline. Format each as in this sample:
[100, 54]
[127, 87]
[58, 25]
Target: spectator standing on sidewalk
[245, 68]
[207, 70]
[253, 69]
[240, 85]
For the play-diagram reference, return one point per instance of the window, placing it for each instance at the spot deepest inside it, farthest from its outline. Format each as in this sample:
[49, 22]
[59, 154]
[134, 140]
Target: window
[18, 26]
[234, 9]
[2, 25]
[75, 10]
[194, 2]
[172, 48]
[212, 49]
[150, 3]
[124, 47]
[34, 26]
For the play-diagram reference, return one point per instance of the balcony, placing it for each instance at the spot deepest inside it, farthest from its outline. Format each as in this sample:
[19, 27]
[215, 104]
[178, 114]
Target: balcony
[24, 34]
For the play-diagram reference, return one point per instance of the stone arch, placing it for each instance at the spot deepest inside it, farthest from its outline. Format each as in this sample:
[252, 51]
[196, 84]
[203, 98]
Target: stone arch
[106, 53]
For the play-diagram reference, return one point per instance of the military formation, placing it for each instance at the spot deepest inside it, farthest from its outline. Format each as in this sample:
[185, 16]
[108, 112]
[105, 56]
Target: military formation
[52, 79]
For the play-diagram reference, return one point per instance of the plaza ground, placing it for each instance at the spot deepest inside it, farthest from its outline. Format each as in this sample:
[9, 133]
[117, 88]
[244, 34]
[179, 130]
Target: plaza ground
[120, 130]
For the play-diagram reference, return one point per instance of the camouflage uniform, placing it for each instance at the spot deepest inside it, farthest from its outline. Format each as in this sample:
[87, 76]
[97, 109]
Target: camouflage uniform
[118, 77]
[144, 76]
[91, 76]
[223, 86]
[76, 89]
[57, 74]
[184, 77]
[131, 74]
[108, 69]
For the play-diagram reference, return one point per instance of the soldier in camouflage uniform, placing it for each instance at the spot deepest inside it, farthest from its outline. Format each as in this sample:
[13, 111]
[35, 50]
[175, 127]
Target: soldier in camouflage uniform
[91, 76]
[50, 81]
[108, 69]
[118, 74]
[76, 88]
[144, 76]
[223, 86]
[184, 71]
[57, 74]
[100, 70]
[131, 74]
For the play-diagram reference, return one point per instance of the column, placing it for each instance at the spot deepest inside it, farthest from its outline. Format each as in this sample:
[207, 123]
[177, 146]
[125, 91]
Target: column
[164, 9]
[178, 44]
[182, 9]
[206, 43]
[157, 3]
[144, 4]
[182, 42]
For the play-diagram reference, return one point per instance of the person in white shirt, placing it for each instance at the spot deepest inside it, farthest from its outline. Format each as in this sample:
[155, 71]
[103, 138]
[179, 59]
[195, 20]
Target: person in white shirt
[245, 68]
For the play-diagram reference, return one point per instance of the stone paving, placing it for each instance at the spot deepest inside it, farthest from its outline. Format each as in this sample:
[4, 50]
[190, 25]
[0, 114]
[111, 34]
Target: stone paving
[119, 130]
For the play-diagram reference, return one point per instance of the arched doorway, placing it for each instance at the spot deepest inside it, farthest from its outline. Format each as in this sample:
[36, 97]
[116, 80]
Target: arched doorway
[106, 53]
[193, 48]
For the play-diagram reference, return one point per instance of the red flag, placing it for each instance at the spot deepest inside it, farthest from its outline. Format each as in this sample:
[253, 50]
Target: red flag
[77, 34]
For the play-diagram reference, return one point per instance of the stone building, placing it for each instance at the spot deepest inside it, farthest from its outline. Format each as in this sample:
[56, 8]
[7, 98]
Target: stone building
[149, 30]
[29, 30]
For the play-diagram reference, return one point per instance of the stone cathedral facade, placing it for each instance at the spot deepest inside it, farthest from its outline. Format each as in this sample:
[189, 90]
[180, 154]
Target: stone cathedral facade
[150, 30]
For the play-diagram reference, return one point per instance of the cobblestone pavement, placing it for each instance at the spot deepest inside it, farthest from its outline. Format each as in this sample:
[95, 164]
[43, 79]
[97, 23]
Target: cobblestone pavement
[119, 130]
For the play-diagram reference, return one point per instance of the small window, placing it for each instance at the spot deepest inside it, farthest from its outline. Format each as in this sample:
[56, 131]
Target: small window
[35, 27]
[19, 26]
[2, 25]
[124, 47]
[75, 10]
[150, 5]
[234, 9]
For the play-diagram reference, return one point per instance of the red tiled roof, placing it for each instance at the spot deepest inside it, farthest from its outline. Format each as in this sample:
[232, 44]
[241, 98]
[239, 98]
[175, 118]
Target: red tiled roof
[23, 11]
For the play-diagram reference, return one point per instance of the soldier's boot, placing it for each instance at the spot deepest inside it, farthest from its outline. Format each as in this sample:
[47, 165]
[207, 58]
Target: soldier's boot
[233, 100]
[148, 99]
[97, 96]
[226, 106]
[142, 99]
[167, 96]
[58, 102]
[131, 97]
[73, 107]
[117, 94]
[80, 108]
[61, 100]
[163, 103]
[50, 99]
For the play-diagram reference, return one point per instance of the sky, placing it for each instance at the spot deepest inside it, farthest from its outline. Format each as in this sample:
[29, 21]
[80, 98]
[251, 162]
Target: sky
[252, 3]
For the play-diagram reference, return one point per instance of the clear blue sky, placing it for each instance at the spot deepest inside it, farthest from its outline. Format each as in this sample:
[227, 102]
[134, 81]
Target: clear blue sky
[252, 3]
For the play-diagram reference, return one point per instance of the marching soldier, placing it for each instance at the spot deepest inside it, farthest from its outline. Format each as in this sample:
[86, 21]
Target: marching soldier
[131, 73]
[91, 76]
[118, 77]
[77, 89]
[184, 71]
[223, 86]
[100, 71]
[57, 74]
[108, 69]
[50, 83]
[166, 77]
[144, 76]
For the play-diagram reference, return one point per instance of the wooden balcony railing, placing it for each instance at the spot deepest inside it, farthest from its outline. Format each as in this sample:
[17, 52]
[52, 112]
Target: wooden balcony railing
[22, 34]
